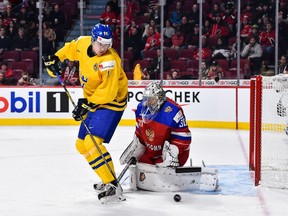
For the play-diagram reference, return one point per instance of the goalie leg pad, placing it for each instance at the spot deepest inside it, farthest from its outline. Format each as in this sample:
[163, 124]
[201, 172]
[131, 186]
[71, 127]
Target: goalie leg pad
[135, 149]
[133, 177]
[164, 179]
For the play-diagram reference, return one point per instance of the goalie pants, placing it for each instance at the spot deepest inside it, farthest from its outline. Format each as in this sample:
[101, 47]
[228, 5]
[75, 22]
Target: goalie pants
[102, 124]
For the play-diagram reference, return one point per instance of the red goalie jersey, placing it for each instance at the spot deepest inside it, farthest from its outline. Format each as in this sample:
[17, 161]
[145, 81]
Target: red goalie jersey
[168, 125]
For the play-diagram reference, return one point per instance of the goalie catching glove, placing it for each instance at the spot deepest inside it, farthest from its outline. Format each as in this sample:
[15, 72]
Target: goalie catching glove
[169, 155]
[81, 109]
[52, 64]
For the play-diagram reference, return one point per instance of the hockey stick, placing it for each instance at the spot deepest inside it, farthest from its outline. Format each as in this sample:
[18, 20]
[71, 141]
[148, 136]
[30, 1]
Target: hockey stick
[131, 161]
[85, 125]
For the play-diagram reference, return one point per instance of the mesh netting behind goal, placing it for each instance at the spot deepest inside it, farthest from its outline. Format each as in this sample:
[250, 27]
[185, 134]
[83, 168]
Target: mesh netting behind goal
[268, 130]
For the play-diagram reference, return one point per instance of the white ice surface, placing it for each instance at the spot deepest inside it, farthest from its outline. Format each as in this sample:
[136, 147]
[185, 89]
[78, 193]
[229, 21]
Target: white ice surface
[42, 174]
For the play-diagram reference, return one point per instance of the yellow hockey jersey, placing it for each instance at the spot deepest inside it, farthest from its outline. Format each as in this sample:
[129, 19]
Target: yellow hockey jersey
[102, 78]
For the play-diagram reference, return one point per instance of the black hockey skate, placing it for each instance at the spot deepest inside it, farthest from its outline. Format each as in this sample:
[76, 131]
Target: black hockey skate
[111, 193]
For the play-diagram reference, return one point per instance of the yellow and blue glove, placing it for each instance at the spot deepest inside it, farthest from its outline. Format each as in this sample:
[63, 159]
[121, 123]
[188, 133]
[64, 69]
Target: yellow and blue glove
[80, 111]
[52, 64]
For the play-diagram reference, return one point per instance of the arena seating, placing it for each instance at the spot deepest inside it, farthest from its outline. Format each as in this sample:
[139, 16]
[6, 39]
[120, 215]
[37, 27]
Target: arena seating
[187, 63]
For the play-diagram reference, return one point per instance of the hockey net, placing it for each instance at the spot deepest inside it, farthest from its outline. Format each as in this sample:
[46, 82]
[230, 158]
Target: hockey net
[269, 130]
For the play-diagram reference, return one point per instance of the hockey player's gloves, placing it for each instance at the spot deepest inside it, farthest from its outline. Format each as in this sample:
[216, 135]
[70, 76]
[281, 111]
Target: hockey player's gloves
[81, 109]
[52, 64]
[170, 155]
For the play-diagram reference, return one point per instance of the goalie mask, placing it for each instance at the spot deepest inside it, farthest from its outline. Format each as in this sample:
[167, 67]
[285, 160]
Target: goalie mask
[153, 98]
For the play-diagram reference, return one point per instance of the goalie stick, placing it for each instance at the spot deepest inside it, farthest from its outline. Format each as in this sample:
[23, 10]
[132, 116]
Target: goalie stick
[131, 161]
[86, 127]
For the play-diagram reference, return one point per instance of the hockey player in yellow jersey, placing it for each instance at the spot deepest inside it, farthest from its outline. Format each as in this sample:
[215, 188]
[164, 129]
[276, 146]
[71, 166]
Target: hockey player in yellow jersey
[105, 90]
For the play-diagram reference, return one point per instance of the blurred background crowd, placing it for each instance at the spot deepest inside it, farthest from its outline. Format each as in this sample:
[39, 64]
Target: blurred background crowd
[19, 37]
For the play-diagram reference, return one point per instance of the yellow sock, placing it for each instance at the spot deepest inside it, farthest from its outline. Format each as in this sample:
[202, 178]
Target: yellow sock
[88, 149]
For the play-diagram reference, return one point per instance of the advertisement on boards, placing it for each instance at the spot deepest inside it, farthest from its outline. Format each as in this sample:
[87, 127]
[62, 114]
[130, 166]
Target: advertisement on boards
[199, 104]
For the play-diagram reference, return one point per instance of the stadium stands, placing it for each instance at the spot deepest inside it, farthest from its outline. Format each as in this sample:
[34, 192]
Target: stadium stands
[181, 59]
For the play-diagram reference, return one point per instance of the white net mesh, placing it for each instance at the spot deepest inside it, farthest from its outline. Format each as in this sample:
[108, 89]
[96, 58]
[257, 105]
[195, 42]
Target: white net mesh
[274, 132]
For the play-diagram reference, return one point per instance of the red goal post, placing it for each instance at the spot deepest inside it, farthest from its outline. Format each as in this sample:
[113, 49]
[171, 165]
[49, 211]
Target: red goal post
[268, 154]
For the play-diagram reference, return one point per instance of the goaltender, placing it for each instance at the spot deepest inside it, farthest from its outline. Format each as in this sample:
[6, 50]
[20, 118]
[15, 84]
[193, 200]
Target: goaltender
[161, 147]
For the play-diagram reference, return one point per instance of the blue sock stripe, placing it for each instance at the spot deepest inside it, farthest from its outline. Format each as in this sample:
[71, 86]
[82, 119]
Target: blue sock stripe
[98, 158]
[101, 164]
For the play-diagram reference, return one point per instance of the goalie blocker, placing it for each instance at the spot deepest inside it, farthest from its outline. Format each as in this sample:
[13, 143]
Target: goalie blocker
[163, 179]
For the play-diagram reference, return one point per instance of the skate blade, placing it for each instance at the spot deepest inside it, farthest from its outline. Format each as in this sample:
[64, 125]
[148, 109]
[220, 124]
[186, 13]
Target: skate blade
[107, 200]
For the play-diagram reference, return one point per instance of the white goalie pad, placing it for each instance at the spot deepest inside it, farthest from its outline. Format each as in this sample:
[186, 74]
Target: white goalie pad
[164, 179]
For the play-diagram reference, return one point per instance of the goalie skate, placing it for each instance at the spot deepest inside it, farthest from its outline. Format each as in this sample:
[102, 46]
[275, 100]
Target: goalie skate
[111, 194]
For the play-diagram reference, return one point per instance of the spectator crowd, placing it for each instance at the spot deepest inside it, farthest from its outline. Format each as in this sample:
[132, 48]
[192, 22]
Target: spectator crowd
[19, 35]
[142, 34]
[19, 32]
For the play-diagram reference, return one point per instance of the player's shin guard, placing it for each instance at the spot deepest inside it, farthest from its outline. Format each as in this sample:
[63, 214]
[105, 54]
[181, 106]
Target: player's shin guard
[96, 161]
[81, 148]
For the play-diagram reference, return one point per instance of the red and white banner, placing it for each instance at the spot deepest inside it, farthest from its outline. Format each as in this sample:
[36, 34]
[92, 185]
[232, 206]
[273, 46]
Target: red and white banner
[228, 104]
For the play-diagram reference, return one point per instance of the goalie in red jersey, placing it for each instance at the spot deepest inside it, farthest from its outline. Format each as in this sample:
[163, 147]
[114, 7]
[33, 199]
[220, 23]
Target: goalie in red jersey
[162, 136]
[161, 148]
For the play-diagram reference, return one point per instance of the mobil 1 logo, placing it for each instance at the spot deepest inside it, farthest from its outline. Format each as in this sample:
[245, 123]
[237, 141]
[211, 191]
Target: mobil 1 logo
[57, 102]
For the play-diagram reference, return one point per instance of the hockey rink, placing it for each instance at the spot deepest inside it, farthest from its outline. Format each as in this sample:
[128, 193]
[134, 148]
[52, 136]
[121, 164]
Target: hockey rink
[42, 174]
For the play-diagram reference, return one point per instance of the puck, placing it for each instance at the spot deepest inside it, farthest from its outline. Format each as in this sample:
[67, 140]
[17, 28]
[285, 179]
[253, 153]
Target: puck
[177, 198]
